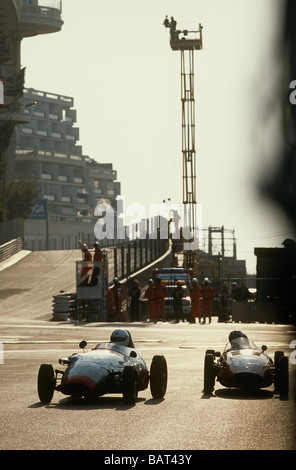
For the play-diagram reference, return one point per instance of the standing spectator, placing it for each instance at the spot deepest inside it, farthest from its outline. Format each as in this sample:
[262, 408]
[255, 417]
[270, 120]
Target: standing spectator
[195, 292]
[245, 293]
[150, 295]
[86, 254]
[224, 304]
[134, 294]
[207, 292]
[235, 291]
[160, 294]
[115, 297]
[177, 301]
[98, 254]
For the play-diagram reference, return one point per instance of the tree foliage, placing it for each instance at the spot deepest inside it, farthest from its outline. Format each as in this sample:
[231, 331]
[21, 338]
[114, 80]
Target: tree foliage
[20, 195]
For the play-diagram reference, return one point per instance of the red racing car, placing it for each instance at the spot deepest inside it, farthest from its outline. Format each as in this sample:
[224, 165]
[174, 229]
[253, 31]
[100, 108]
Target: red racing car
[112, 367]
[243, 365]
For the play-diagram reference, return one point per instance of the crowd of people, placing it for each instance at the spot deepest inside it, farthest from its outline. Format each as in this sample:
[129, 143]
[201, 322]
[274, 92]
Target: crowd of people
[155, 294]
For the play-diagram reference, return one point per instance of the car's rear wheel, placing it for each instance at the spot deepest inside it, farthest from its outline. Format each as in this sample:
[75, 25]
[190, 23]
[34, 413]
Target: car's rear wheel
[277, 356]
[158, 377]
[283, 376]
[130, 385]
[46, 383]
[209, 374]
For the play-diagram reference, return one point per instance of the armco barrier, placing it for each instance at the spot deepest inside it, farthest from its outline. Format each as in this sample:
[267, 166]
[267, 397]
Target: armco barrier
[10, 248]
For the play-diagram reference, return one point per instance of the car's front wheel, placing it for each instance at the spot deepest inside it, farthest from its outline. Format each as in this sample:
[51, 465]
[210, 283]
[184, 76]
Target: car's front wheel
[209, 374]
[158, 377]
[130, 385]
[46, 383]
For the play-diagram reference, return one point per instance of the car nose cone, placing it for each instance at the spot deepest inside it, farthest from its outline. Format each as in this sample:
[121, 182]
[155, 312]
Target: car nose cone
[79, 385]
[84, 380]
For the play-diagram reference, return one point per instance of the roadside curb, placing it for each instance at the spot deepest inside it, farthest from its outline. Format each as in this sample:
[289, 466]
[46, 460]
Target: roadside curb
[14, 259]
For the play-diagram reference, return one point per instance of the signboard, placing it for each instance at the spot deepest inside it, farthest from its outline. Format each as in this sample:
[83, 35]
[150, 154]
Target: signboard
[39, 210]
[89, 280]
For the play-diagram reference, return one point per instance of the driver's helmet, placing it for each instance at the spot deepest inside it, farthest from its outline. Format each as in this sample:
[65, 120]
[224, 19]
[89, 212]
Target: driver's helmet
[120, 336]
[236, 334]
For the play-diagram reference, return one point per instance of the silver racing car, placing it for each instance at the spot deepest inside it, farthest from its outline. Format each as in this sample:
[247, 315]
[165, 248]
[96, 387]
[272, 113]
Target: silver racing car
[243, 365]
[112, 367]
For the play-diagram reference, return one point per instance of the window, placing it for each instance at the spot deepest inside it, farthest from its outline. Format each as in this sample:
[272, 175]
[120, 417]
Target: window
[66, 199]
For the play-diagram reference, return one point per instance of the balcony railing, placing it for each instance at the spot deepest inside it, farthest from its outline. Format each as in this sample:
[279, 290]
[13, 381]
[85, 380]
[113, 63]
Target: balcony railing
[42, 10]
[39, 19]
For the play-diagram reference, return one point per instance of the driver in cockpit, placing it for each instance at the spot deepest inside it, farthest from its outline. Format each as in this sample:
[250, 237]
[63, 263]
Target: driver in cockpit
[238, 340]
[122, 337]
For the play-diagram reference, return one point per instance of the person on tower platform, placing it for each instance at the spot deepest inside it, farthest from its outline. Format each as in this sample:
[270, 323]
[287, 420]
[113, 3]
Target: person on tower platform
[173, 28]
[195, 292]
[207, 293]
[166, 22]
[150, 295]
[160, 294]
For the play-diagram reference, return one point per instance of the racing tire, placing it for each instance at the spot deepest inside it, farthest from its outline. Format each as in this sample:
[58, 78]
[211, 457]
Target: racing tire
[130, 385]
[46, 383]
[209, 374]
[283, 376]
[277, 357]
[158, 377]
[210, 351]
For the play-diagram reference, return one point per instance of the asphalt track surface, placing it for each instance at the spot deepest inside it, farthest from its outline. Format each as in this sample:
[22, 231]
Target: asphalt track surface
[185, 420]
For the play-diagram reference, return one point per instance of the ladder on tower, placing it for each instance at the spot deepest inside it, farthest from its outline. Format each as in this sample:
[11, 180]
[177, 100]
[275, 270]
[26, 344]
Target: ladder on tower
[187, 45]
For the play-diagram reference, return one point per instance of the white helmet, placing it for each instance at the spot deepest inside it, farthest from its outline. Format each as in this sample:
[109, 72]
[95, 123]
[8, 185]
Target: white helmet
[120, 336]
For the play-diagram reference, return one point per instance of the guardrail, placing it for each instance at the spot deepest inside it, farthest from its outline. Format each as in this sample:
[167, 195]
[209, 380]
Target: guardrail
[10, 248]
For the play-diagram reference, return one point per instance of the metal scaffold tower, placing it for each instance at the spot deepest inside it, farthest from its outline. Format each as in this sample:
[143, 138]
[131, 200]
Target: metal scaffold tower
[186, 42]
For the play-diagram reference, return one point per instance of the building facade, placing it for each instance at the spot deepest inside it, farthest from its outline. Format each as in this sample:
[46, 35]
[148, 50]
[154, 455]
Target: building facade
[39, 139]
[19, 19]
[47, 150]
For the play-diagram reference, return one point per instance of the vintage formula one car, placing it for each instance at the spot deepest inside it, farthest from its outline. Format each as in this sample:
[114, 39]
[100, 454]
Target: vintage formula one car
[112, 367]
[243, 365]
